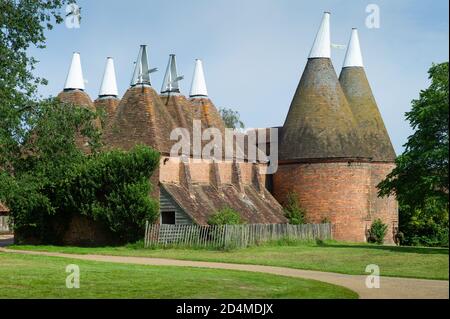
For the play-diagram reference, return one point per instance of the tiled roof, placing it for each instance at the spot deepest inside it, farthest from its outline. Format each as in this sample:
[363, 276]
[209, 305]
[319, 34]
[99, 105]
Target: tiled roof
[320, 123]
[200, 202]
[368, 118]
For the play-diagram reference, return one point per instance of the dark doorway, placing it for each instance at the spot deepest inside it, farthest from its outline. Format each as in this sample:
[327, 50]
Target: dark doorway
[168, 218]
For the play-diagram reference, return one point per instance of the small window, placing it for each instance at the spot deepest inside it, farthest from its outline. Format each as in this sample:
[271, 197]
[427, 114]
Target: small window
[168, 218]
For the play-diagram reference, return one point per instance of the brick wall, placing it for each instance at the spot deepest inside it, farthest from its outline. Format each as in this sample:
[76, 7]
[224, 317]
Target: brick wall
[246, 172]
[342, 192]
[384, 208]
[225, 170]
[169, 171]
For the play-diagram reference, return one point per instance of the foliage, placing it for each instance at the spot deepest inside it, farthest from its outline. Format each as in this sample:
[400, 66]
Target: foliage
[225, 216]
[293, 211]
[420, 179]
[22, 24]
[377, 232]
[53, 178]
[231, 118]
[45, 178]
[424, 227]
[47, 154]
[112, 188]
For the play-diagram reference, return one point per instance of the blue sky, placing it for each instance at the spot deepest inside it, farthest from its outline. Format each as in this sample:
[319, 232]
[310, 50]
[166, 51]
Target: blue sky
[254, 51]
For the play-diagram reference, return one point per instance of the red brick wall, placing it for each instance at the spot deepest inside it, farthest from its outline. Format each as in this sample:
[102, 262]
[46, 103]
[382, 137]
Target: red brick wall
[342, 192]
[384, 208]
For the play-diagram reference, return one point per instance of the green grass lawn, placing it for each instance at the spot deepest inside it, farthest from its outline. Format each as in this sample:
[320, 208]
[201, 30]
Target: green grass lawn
[428, 263]
[25, 276]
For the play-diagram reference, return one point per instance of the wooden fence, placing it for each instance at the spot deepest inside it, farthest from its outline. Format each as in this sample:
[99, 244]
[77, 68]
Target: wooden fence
[230, 236]
[4, 226]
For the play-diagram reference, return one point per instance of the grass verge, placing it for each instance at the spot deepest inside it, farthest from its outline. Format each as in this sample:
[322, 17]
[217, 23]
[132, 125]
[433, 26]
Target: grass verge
[409, 262]
[24, 276]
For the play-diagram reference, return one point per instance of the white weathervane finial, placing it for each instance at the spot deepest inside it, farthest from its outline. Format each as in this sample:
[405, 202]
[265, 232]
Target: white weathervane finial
[75, 80]
[141, 73]
[322, 44]
[353, 57]
[198, 86]
[109, 83]
[171, 79]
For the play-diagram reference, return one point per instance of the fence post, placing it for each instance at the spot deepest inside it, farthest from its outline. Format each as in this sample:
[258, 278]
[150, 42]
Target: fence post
[146, 234]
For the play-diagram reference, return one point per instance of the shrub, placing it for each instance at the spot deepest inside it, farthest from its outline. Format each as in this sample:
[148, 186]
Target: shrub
[427, 226]
[293, 211]
[225, 216]
[112, 188]
[377, 232]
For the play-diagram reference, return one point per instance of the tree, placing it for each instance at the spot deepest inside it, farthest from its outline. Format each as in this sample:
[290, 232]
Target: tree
[44, 176]
[112, 188]
[47, 153]
[293, 211]
[22, 24]
[231, 118]
[420, 179]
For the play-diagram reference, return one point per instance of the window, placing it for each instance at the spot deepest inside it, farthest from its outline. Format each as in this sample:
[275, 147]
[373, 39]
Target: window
[168, 218]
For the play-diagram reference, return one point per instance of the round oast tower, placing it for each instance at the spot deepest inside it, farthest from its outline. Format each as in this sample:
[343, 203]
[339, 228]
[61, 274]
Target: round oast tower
[323, 160]
[370, 124]
[108, 101]
[74, 94]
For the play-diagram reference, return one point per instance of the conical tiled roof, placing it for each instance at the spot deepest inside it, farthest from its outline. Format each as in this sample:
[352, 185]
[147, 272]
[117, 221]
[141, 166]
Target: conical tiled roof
[180, 111]
[76, 97]
[80, 98]
[357, 89]
[141, 118]
[204, 109]
[108, 105]
[320, 124]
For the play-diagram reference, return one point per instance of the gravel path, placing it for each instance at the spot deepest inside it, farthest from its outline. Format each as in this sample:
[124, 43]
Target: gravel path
[390, 287]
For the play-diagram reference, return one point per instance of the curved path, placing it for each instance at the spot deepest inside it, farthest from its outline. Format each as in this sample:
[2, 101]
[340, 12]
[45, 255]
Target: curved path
[390, 287]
